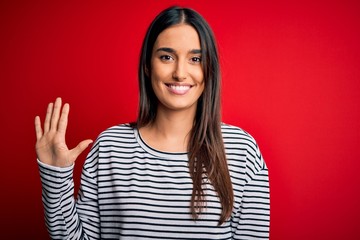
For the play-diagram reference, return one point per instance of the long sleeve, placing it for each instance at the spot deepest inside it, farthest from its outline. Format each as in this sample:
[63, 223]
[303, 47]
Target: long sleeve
[129, 190]
[65, 217]
[253, 215]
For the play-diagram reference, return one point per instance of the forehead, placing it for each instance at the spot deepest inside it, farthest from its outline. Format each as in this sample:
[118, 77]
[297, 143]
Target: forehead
[180, 36]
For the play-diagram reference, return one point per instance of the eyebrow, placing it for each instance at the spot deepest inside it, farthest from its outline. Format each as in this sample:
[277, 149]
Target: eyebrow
[171, 50]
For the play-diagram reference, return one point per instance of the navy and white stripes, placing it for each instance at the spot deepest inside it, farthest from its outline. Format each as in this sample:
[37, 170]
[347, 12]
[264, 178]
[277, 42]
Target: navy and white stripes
[131, 191]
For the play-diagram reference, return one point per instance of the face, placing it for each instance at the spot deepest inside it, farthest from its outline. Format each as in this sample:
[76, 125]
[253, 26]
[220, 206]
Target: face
[176, 71]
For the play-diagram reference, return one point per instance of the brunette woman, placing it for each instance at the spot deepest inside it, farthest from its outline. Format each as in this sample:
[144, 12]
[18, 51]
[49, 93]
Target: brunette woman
[178, 172]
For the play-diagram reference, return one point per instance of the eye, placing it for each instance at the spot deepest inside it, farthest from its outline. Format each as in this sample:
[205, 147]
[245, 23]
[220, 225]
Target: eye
[166, 58]
[196, 59]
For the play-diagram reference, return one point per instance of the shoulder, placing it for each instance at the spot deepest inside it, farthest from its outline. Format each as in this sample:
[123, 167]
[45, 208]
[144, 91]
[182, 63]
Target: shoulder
[112, 139]
[118, 131]
[121, 133]
[237, 139]
[233, 134]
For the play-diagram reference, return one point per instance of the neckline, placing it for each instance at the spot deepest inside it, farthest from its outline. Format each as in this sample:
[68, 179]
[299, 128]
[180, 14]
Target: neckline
[158, 153]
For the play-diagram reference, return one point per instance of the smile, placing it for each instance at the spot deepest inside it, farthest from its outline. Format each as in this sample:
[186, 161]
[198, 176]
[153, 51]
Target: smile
[178, 89]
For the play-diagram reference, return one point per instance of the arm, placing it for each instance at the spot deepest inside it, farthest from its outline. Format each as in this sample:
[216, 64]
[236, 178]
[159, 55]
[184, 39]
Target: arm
[58, 201]
[252, 218]
[65, 217]
[56, 161]
[254, 212]
[51, 147]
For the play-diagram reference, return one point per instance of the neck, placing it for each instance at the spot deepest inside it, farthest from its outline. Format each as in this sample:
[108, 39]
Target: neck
[170, 131]
[174, 124]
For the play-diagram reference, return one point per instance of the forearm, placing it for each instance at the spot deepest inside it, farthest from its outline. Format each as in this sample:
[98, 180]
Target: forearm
[252, 220]
[61, 215]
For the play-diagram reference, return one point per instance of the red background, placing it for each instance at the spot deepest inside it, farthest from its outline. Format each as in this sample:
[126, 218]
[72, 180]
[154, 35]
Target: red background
[290, 77]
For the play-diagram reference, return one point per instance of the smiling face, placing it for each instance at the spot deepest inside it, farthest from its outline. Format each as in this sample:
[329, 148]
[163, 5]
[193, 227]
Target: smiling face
[176, 73]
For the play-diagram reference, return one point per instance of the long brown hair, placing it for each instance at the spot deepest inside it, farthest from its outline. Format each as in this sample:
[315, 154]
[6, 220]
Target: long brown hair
[206, 148]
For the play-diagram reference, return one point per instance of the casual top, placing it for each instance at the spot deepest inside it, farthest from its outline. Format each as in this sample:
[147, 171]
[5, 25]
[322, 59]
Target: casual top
[132, 191]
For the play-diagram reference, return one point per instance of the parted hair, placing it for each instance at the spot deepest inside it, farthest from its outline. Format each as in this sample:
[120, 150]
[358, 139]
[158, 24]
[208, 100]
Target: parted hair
[206, 151]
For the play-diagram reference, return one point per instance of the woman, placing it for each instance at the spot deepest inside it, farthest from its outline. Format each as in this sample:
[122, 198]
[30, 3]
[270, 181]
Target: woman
[178, 172]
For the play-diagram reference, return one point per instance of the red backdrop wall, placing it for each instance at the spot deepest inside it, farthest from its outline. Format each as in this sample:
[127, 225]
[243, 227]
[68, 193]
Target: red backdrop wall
[290, 77]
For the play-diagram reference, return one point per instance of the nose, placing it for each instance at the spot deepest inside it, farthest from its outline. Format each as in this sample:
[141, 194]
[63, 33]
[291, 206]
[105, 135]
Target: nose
[180, 72]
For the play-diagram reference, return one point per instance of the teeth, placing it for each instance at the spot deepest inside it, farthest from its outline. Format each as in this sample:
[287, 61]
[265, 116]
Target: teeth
[180, 88]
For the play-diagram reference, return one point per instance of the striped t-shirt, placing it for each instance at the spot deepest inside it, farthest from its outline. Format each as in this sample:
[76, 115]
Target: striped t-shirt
[131, 191]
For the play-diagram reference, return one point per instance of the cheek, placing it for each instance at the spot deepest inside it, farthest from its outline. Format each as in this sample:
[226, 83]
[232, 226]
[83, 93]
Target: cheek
[202, 87]
[160, 73]
[155, 85]
[200, 80]
[155, 76]
[199, 77]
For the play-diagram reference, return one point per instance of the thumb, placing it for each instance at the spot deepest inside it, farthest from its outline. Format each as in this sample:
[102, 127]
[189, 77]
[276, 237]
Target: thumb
[76, 151]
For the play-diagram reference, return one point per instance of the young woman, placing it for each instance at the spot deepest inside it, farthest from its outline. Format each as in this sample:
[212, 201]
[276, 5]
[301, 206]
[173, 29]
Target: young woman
[178, 172]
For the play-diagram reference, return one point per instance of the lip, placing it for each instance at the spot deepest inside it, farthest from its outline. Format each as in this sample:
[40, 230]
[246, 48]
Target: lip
[178, 89]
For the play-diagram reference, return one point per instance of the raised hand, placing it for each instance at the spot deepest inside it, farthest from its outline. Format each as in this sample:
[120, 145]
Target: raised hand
[50, 146]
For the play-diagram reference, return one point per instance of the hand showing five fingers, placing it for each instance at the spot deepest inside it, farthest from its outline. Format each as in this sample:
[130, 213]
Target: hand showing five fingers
[50, 146]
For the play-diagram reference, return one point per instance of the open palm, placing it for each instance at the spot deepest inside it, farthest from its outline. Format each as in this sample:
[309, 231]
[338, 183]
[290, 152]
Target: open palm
[51, 146]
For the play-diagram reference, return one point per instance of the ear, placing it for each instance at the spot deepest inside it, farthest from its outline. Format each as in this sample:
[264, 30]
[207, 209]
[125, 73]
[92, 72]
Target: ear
[147, 72]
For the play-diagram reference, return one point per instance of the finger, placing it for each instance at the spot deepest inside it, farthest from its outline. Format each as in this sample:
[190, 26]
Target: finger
[48, 117]
[75, 152]
[55, 115]
[38, 129]
[64, 119]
